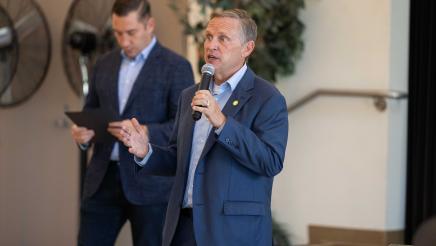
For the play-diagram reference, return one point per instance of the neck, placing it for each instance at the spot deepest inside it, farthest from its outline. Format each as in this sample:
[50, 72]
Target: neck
[220, 78]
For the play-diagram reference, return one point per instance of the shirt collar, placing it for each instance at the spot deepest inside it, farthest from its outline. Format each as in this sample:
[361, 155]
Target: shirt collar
[233, 81]
[142, 56]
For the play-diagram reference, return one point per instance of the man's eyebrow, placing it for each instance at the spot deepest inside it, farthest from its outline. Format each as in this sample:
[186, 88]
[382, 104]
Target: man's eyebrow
[130, 30]
[219, 33]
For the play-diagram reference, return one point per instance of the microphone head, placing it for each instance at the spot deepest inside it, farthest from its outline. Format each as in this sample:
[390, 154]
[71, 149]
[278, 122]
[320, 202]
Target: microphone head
[207, 68]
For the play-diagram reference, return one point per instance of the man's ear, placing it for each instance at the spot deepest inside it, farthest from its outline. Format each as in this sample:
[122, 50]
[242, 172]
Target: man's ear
[150, 25]
[248, 48]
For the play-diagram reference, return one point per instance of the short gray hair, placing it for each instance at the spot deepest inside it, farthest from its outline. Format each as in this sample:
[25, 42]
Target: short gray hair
[249, 27]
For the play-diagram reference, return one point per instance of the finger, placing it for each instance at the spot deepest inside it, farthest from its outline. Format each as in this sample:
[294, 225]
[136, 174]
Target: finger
[127, 127]
[200, 97]
[85, 138]
[201, 102]
[199, 108]
[90, 134]
[126, 123]
[136, 125]
[78, 129]
[115, 124]
[132, 151]
[126, 141]
[125, 133]
[112, 130]
[145, 129]
[115, 133]
[82, 136]
[203, 92]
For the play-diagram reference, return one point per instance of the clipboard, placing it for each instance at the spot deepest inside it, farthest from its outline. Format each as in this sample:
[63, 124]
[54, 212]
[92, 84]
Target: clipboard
[96, 119]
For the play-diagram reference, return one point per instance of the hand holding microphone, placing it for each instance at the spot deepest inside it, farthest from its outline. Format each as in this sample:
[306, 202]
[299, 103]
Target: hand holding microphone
[207, 72]
[204, 103]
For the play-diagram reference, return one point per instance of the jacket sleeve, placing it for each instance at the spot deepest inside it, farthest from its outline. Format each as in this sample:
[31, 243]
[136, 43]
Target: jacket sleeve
[163, 160]
[260, 148]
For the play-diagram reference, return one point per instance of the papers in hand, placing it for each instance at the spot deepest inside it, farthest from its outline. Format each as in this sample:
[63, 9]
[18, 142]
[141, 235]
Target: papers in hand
[96, 119]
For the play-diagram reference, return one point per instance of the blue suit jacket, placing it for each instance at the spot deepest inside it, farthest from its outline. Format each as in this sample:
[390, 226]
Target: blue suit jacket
[153, 101]
[234, 177]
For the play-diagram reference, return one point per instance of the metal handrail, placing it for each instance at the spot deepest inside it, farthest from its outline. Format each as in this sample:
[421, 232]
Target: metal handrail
[379, 96]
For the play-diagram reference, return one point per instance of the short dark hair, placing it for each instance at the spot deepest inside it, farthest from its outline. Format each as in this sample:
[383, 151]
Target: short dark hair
[124, 7]
[248, 25]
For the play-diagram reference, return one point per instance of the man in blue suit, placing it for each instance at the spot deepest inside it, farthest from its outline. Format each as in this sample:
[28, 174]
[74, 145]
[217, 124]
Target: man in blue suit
[143, 79]
[224, 163]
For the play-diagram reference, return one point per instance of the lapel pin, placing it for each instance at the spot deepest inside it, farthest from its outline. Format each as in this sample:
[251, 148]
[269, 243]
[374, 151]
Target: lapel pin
[235, 103]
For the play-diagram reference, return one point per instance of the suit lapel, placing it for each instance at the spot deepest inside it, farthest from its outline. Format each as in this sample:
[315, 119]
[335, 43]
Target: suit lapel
[187, 124]
[240, 96]
[113, 82]
[144, 75]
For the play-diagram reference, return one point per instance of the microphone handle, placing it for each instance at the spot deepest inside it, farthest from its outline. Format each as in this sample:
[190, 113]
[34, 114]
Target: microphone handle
[204, 85]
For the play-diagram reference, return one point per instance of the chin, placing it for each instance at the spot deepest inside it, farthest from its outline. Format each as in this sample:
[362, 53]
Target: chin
[130, 53]
[215, 64]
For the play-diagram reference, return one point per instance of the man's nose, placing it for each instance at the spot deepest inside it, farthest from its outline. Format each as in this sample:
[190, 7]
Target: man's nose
[211, 44]
[123, 41]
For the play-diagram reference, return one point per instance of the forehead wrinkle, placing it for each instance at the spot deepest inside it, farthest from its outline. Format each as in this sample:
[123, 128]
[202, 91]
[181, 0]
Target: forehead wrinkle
[228, 25]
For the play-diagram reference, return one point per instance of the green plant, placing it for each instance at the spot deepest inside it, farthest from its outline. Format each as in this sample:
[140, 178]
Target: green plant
[279, 44]
[280, 235]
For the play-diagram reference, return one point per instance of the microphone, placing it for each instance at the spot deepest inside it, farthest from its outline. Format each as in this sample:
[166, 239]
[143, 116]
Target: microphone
[207, 72]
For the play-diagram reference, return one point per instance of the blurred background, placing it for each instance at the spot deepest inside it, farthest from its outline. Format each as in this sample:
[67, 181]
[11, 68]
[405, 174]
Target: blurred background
[344, 178]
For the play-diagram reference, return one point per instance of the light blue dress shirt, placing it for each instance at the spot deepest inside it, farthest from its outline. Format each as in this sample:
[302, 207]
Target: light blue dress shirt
[203, 127]
[128, 74]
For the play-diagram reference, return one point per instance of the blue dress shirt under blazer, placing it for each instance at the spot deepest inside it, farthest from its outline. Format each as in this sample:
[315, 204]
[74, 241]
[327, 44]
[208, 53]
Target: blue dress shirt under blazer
[153, 101]
[234, 176]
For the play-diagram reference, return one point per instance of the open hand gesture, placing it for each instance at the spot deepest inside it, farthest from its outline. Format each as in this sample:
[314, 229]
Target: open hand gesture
[136, 138]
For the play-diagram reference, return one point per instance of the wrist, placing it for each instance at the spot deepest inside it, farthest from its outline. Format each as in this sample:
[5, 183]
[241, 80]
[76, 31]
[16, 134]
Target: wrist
[222, 122]
[145, 151]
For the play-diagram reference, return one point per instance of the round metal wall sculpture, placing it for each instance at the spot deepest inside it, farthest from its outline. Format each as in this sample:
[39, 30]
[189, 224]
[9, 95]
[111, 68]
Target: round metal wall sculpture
[87, 35]
[25, 50]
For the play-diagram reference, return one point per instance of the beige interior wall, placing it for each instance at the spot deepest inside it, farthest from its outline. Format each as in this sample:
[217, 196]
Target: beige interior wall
[345, 162]
[168, 29]
[38, 160]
